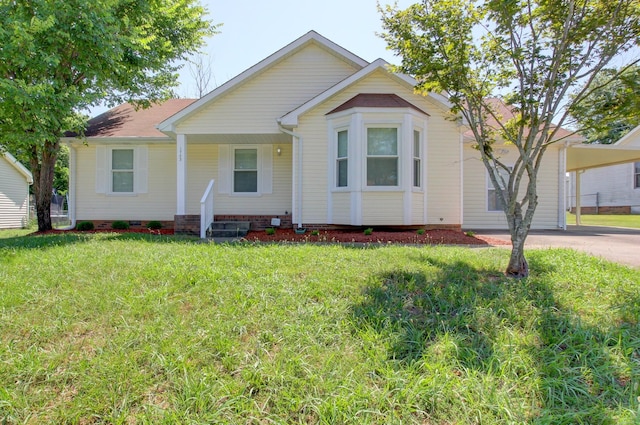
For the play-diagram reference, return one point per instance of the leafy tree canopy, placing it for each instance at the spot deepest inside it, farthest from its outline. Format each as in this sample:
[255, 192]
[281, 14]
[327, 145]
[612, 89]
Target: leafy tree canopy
[61, 56]
[530, 54]
[612, 108]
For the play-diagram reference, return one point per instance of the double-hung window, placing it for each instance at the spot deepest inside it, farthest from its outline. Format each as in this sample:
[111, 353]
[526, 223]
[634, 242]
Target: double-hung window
[342, 159]
[382, 157]
[417, 163]
[494, 203]
[636, 175]
[122, 161]
[245, 170]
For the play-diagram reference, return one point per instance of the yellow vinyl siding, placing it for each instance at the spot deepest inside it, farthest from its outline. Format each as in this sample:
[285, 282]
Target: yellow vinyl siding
[341, 208]
[159, 203]
[417, 208]
[254, 106]
[203, 166]
[14, 196]
[476, 186]
[382, 208]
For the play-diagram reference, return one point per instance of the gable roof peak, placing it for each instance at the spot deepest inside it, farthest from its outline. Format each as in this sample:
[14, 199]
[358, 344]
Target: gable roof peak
[312, 36]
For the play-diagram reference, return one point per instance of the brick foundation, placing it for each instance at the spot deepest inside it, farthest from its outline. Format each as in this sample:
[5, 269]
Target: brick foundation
[258, 222]
[619, 210]
[186, 224]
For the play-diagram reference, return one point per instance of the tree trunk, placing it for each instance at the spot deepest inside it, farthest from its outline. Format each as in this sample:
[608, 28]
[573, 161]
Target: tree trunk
[42, 167]
[518, 266]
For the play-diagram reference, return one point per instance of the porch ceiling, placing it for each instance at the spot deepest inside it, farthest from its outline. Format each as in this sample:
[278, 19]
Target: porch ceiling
[250, 139]
[582, 156]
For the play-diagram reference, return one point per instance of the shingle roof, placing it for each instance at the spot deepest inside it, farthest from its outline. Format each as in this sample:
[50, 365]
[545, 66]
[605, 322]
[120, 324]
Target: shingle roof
[376, 100]
[125, 121]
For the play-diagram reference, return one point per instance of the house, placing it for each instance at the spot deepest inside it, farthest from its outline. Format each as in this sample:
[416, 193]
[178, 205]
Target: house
[14, 192]
[312, 136]
[614, 189]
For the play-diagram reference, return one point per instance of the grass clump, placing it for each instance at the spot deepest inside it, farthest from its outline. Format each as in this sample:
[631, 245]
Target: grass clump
[420, 231]
[120, 225]
[270, 231]
[84, 226]
[368, 231]
[164, 330]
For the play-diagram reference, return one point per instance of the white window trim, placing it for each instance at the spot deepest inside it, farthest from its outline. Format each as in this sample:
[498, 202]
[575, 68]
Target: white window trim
[334, 155]
[635, 170]
[226, 165]
[399, 155]
[421, 157]
[232, 160]
[104, 172]
[489, 186]
[110, 170]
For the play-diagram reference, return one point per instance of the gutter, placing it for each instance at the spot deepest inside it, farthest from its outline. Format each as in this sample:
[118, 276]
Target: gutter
[298, 151]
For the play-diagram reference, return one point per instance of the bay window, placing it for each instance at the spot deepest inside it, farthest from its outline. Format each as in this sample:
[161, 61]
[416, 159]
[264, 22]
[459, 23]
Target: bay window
[382, 157]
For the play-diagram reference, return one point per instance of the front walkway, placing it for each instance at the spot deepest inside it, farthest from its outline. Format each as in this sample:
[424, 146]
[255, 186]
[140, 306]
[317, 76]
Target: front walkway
[617, 244]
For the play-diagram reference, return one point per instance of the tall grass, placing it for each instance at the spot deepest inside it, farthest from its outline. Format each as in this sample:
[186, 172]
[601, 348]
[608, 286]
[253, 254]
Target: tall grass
[112, 328]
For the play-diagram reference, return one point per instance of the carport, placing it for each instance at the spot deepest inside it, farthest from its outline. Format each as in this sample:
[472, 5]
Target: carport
[581, 157]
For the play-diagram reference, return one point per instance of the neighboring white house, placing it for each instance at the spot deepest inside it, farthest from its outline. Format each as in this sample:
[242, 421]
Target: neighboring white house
[610, 190]
[14, 192]
[313, 136]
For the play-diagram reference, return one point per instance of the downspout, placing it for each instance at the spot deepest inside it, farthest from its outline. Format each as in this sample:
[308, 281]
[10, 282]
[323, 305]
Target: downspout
[71, 206]
[297, 137]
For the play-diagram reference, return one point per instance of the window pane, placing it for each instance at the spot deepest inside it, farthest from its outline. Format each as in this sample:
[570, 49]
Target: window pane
[246, 159]
[493, 201]
[122, 181]
[416, 143]
[382, 141]
[416, 173]
[122, 159]
[245, 181]
[382, 171]
[343, 144]
[342, 173]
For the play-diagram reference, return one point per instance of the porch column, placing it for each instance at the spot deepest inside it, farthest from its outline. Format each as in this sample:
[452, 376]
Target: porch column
[181, 176]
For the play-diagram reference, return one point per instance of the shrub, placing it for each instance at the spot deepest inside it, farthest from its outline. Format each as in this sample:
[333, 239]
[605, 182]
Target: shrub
[270, 231]
[84, 226]
[368, 231]
[420, 231]
[154, 225]
[315, 232]
[469, 233]
[120, 225]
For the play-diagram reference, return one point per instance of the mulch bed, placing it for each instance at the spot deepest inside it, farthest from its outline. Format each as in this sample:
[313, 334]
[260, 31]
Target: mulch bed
[429, 237]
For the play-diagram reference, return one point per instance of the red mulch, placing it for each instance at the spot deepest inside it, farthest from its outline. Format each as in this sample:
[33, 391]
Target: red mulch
[145, 231]
[432, 237]
[429, 237]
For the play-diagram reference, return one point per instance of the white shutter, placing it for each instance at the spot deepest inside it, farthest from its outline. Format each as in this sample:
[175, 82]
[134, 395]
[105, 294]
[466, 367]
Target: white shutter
[266, 177]
[224, 169]
[140, 172]
[102, 174]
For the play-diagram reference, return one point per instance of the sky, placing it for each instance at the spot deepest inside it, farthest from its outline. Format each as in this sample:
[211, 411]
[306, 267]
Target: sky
[252, 30]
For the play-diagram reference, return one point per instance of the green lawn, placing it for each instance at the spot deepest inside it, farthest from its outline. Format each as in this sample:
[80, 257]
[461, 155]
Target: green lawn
[125, 329]
[632, 220]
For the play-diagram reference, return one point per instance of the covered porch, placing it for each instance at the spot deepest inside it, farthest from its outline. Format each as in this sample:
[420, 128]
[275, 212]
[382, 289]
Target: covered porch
[230, 183]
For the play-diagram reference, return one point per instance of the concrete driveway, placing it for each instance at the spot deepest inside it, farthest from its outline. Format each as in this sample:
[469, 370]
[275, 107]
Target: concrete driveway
[617, 244]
